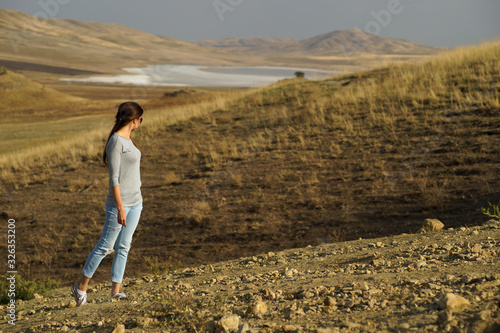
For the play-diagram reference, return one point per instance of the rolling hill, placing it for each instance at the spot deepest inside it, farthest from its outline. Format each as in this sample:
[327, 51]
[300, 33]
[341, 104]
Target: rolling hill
[22, 95]
[94, 46]
[73, 45]
[332, 43]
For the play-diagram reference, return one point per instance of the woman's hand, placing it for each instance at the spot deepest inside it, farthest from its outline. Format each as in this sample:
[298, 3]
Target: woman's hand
[122, 217]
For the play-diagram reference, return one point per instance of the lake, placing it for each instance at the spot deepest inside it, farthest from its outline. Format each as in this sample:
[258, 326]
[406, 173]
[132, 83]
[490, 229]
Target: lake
[205, 76]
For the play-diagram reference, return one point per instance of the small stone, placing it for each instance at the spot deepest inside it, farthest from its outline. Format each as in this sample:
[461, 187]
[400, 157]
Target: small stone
[468, 278]
[120, 328]
[37, 296]
[492, 223]
[330, 301]
[245, 328]
[477, 248]
[433, 224]
[453, 302]
[258, 307]
[350, 324]
[483, 315]
[487, 285]
[421, 264]
[229, 323]
[445, 316]
[144, 321]
[404, 326]
[290, 328]
[328, 330]
[65, 328]
[448, 247]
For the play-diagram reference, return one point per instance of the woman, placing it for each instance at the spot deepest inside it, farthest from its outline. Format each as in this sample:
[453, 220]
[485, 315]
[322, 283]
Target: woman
[123, 202]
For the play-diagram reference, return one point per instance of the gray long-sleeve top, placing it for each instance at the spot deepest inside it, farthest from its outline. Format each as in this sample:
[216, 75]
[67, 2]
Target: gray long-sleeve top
[124, 161]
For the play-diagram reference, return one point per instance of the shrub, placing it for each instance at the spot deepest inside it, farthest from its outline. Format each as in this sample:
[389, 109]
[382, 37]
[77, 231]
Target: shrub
[299, 74]
[25, 289]
[495, 212]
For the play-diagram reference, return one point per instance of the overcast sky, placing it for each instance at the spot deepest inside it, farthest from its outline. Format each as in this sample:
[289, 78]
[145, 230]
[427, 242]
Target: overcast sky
[447, 23]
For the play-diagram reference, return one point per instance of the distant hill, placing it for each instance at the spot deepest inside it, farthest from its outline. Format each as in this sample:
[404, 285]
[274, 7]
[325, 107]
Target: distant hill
[332, 43]
[74, 46]
[22, 95]
[254, 44]
[94, 46]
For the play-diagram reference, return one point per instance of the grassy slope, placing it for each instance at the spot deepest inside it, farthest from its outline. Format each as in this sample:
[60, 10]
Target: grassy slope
[298, 163]
[20, 94]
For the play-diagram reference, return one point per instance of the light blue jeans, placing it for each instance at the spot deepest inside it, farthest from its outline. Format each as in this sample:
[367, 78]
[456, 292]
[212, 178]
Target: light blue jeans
[114, 234]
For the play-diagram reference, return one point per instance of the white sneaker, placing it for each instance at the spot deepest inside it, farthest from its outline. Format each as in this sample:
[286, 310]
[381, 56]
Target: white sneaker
[79, 298]
[119, 295]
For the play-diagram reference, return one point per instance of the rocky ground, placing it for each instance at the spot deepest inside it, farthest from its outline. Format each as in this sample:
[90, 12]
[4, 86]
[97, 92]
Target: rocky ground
[436, 281]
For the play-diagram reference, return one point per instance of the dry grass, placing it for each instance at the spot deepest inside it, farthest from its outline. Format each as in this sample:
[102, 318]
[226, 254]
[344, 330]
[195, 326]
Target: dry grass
[19, 93]
[417, 108]
[72, 148]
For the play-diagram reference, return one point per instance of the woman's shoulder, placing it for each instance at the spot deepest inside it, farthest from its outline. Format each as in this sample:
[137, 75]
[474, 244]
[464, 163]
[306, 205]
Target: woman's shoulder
[114, 141]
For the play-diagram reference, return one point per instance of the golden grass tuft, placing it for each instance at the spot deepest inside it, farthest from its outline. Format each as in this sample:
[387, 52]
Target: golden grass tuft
[171, 178]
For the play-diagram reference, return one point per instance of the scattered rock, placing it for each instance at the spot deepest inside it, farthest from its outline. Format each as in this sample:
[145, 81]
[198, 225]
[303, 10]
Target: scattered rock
[258, 307]
[144, 321]
[433, 224]
[229, 323]
[244, 328]
[453, 302]
[483, 315]
[330, 301]
[350, 324]
[477, 248]
[404, 326]
[468, 279]
[492, 224]
[420, 264]
[445, 316]
[120, 328]
[327, 282]
[488, 285]
[290, 328]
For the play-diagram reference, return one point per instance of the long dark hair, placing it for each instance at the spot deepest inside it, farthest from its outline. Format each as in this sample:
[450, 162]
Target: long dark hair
[127, 112]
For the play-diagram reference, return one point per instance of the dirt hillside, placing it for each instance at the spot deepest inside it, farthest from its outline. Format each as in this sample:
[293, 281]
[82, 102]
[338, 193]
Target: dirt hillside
[436, 281]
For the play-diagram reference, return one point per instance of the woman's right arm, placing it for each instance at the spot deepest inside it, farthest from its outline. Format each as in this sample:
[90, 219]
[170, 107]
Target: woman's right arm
[122, 217]
[114, 153]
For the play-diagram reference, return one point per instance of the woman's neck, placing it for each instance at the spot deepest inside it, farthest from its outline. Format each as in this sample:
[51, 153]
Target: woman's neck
[125, 132]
